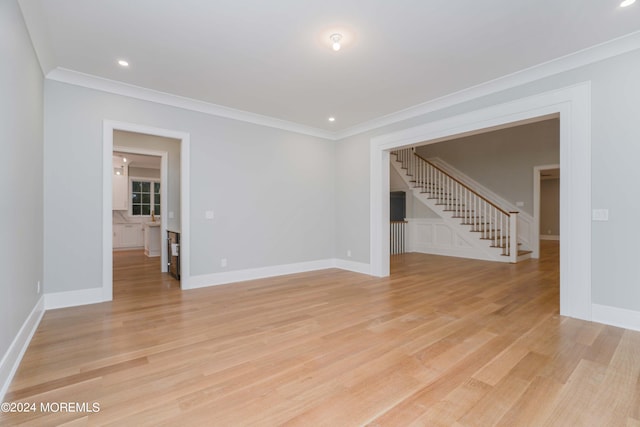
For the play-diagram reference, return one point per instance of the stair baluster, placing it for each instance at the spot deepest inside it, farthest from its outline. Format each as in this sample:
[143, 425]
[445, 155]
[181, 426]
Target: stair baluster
[481, 215]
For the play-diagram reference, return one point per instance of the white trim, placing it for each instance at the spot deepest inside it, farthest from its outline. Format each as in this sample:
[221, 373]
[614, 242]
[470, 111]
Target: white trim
[569, 62]
[164, 178]
[109, 126]
[227, 277]
[537, 170]
[549, 237]
[620, 317]
[64, 299]
[574, 106]
[64, 75]
[572, 61]
[356, 267]
[11, 359]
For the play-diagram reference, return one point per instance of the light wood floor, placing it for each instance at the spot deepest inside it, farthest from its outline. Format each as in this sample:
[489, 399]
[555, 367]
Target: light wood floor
[442, 342]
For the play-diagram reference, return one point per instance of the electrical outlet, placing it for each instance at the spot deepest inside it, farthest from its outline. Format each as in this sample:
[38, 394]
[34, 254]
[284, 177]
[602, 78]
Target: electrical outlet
[208, 215]
[349, 253]
[38, 287]
[171, 215]
[223, 262]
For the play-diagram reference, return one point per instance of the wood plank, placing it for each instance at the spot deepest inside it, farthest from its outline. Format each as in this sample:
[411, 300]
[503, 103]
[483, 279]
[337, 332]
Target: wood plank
[441, 342]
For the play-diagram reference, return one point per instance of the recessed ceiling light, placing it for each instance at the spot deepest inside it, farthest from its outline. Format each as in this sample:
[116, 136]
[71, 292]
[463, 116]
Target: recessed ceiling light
[124, 159]
[123, 63]
[332, 119]
[626, 3]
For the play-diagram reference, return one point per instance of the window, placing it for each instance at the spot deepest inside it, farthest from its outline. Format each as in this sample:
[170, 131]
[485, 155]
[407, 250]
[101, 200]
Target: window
[145, 196]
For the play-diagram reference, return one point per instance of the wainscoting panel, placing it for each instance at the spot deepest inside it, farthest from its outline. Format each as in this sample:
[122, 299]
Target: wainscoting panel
[434, 236]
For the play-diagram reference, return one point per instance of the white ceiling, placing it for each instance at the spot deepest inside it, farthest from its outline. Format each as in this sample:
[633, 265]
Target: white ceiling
[273, 57]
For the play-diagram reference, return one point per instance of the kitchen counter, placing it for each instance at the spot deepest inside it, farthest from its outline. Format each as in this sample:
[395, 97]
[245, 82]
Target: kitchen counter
[152, 239]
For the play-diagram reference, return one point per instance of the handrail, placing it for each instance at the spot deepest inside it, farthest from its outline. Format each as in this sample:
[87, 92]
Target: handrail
[484, 216]
[462, 184]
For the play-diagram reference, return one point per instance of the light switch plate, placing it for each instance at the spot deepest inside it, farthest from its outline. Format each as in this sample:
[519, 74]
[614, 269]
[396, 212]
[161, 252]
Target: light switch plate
[208, 214]
[171, 215]
[519, 204]
[600, 215]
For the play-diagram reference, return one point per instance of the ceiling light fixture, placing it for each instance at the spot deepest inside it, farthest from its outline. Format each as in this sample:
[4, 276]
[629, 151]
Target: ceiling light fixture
[332, 119]
[123, 63]
[335, 40]
[124, 159]
[626, 3]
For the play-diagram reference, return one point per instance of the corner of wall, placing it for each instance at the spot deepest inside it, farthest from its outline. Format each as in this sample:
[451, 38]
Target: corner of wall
[13, 356]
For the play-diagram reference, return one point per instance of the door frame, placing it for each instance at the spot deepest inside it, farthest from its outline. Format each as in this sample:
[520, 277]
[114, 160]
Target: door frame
[108, 127]
[573, 105]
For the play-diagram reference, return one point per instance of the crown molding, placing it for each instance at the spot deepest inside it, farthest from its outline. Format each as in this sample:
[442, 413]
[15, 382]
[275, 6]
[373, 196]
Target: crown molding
[64, 75]
[569, 62]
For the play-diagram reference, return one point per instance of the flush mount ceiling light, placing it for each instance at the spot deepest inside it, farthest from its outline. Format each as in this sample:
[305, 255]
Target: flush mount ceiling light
[332, 119]
[335, 40]
[123, 63]
[626, 3]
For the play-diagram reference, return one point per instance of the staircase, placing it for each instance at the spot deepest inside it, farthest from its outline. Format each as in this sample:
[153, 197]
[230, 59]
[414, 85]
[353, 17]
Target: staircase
[490, 230]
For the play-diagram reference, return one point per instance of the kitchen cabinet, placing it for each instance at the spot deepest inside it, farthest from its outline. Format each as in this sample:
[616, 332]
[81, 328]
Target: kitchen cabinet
[127, 236]
[152, 239]
[120, 185]
[120, 193]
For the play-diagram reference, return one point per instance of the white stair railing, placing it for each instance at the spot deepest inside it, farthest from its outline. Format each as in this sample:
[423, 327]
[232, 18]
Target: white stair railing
[397, 235]
[484, 217]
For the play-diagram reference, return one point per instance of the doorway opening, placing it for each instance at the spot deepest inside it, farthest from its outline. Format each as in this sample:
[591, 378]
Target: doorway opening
[546, 203]
[145, 199]
[572, 105]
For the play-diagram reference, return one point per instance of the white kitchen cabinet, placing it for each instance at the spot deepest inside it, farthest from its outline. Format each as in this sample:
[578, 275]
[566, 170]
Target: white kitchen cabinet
[127, 236]
[152, 240]
[120, 193]
[120, 185]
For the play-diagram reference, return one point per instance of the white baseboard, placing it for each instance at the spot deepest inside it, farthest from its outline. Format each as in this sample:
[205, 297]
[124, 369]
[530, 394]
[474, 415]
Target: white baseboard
[549, 237]
[73, 298]
[614, 316]
[214, 279]
[272, 271]
[356, 267]
[13, 356]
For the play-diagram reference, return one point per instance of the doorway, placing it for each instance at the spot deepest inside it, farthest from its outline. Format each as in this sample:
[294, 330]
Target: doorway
[140, 198]
[174, 214]
[546, 204]
[572, 104]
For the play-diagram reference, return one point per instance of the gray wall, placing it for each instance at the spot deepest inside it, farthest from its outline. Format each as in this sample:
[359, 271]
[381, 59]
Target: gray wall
[172, 147]
[615, 152]
[503, 160]
[20, 175]
[272, 191]
[550, 207]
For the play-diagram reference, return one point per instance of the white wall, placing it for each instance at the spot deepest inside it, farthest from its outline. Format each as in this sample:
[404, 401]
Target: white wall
[272, 191]
[20, 177]
[615, 91]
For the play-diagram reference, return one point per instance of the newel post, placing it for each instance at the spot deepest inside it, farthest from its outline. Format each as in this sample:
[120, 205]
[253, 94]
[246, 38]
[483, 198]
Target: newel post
[513, 237]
